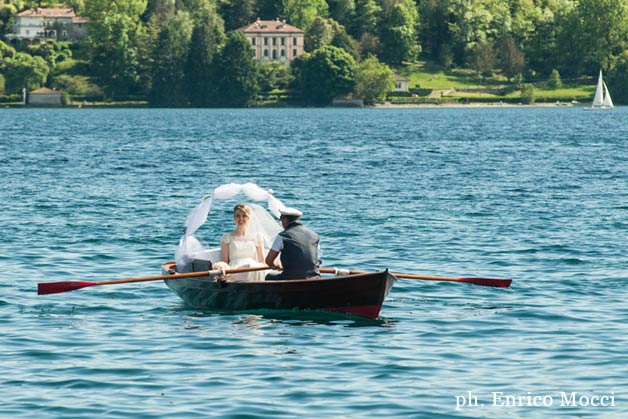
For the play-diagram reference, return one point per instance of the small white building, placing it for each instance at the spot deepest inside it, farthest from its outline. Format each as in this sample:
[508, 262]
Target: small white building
[44, 97]
[274, 40]
[48, 23]
[401, 83]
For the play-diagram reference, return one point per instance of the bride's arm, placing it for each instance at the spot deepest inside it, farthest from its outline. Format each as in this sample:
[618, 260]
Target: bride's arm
[260, 253]
[259, 249]
[224, 250]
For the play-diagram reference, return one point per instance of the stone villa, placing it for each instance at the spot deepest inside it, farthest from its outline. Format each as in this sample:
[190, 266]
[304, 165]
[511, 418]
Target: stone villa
[48, 23]
[274, 40]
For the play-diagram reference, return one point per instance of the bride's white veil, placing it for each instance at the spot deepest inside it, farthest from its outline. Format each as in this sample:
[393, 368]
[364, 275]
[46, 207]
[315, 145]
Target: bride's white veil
[263, 224]
[260, 222]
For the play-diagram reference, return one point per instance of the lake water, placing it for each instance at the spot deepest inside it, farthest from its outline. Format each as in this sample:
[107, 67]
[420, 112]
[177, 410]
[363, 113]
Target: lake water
[534, 194]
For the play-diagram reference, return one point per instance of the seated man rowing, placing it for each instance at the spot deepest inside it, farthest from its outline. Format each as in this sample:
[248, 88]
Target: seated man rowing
[298, 247]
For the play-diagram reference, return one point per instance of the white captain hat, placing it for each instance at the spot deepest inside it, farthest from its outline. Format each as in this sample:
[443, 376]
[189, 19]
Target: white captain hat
[290, 212]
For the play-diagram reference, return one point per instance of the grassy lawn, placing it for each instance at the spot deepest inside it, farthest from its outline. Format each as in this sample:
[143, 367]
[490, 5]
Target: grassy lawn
[566, 93]
[430, 76]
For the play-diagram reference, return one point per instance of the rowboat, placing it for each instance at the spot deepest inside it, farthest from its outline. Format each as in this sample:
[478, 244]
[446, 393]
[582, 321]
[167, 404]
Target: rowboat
[360, 294]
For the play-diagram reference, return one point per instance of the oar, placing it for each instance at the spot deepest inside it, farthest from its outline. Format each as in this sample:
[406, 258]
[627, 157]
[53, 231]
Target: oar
[487, 282]
[65, 286]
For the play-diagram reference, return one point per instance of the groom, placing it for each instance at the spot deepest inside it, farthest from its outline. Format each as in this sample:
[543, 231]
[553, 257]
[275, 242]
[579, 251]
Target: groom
[298, 246]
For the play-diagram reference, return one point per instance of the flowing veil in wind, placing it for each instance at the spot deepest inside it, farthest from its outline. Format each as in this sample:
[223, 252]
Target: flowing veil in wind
[261, 221]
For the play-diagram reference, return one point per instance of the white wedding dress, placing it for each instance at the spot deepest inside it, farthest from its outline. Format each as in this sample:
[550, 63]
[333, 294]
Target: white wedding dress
[243, 254]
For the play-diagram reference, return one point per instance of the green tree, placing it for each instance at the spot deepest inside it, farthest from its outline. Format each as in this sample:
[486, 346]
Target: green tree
[196, 8]
[157, 14]
[366, 18]
[435, 35]
[78, 86]
[114, 33]
[170, 56]
[343, 40]
[296, 68]
[399, 36]
[594, 33]
[274, 76]
[51, 51]
[541, 45]
[6, 16]
[301, 13]
[554, 81]
[328, 72]
[369, 45]
[342, 11]
[158, 11]
[70, 67]
[527, 93]
[200, 70]
[318, 34]
[239, 73]
[77, 5]
[511, 58]
[373, 80]
[237, 13]
[472, 22]
[617, 78]
[483, 58]
[24, 71]
[269, 9]
[6, 52]
[329, 32]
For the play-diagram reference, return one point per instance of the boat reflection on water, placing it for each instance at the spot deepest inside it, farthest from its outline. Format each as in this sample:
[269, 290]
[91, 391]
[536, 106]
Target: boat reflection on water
[260, 318]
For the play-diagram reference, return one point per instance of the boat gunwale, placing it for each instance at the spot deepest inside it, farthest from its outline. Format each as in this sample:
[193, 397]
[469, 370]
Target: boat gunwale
[167, 268]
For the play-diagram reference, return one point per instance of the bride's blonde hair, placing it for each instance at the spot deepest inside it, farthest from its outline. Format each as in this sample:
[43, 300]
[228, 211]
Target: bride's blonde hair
[244, 208]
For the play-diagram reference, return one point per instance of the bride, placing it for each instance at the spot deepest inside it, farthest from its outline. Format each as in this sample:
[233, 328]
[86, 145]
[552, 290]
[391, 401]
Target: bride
[241, 248]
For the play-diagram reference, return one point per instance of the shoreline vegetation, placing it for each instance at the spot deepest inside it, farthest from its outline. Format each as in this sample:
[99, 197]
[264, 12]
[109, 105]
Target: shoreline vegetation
[385, 105]
[435, 98]
[427, 90]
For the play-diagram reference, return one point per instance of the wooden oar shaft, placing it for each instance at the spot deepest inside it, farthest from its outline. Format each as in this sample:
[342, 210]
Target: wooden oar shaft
[65, 286]
[183, 275]
[489, 282]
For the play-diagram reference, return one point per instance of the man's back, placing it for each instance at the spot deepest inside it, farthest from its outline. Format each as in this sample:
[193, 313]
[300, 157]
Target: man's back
[299, 255]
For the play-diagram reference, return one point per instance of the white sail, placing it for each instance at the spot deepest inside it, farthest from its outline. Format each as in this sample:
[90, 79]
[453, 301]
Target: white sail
[602, 99]
[598, 99]
[608, 102]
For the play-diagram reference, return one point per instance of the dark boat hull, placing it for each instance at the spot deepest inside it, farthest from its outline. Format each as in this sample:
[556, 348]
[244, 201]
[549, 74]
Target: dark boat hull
[360, 295]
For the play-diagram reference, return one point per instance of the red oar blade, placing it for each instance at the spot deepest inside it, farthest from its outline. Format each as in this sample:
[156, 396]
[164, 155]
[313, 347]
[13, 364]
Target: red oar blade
[57, 287]
[488, 282]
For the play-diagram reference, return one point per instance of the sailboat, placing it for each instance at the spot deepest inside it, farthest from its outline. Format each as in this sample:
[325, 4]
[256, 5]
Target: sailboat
[602, 99]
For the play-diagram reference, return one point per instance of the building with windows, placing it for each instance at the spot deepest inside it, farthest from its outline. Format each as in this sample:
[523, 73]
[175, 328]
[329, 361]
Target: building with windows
[274, 40]
[401, 83]
[48, 23]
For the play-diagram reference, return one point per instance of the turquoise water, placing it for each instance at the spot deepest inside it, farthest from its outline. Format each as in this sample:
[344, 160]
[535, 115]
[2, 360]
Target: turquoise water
[538, 195]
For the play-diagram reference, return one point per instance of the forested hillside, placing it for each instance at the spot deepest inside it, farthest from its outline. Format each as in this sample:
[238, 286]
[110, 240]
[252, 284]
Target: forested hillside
[184, 52]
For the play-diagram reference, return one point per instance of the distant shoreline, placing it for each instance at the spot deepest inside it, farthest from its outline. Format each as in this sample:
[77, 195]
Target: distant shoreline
[477, 105]
[114, 105]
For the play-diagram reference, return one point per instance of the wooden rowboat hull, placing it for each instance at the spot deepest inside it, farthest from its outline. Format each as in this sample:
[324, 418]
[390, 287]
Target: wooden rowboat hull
[360, 295]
